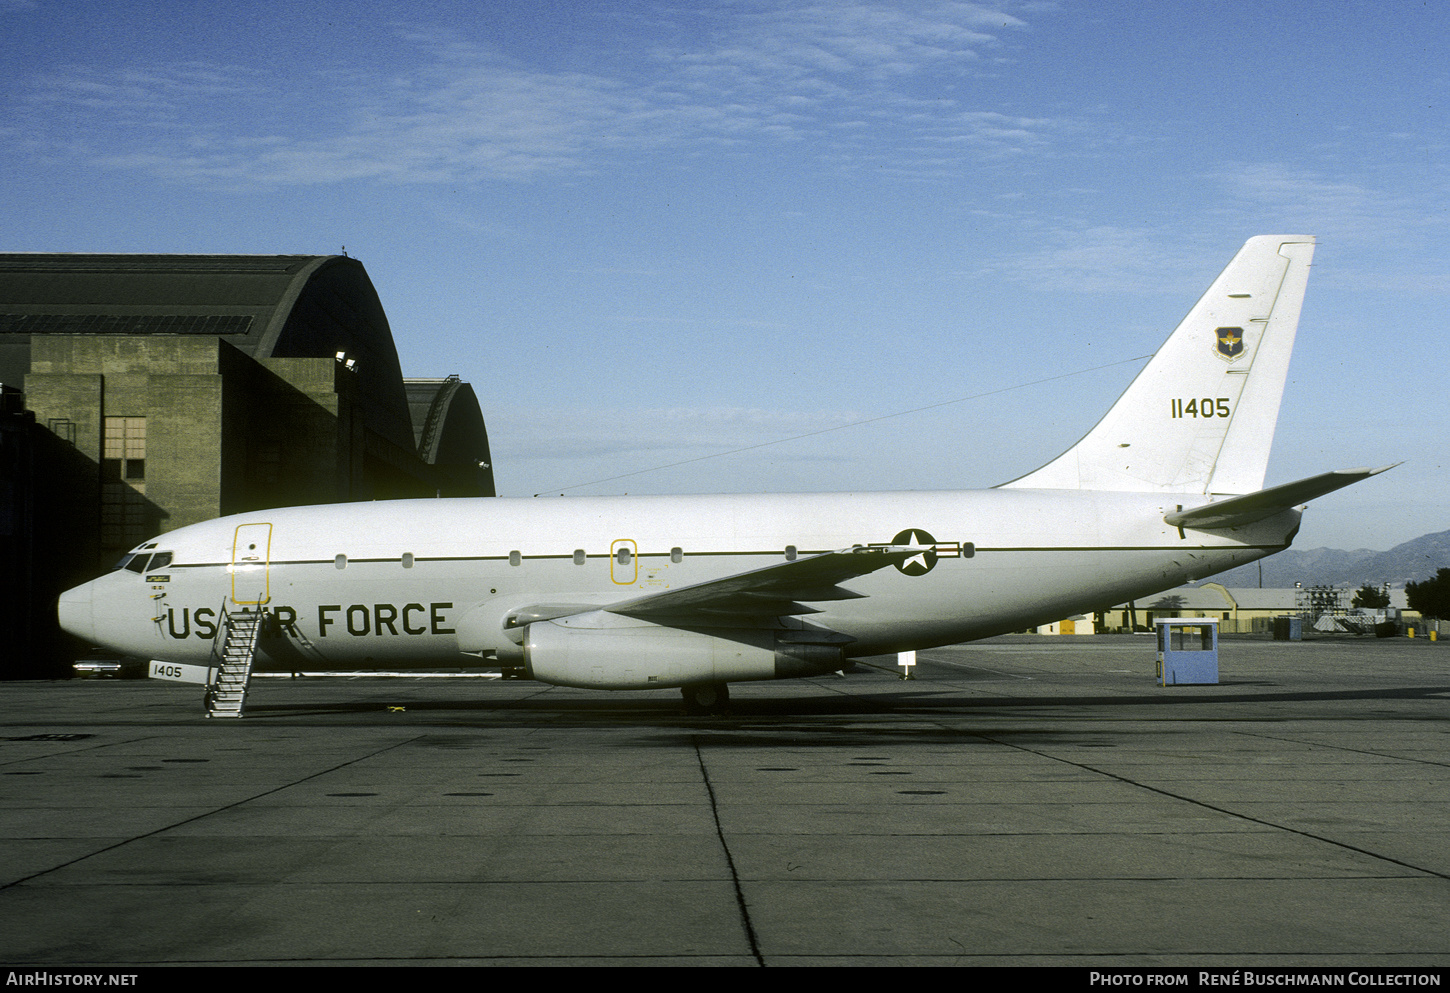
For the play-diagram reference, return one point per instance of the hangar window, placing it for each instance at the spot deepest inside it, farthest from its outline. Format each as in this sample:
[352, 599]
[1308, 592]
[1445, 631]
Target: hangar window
[125, 454]
[578, 556]
[125, 514]
[64, 429]
[267, 464]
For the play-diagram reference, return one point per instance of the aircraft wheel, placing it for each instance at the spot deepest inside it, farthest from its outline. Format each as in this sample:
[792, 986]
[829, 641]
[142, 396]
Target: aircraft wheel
[706, 698]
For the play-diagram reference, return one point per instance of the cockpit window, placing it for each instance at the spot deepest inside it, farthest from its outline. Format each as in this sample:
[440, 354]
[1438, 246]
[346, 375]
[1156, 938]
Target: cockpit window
[142, 561]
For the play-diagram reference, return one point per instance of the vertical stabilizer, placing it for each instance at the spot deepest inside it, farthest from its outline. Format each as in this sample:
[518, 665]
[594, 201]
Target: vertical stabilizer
[1200, 416]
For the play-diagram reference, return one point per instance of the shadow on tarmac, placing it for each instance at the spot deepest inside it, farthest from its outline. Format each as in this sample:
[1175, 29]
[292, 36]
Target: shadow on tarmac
[905, 703]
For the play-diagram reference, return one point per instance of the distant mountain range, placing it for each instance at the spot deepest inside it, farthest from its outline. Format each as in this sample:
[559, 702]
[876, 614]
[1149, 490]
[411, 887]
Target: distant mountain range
[1417, 559]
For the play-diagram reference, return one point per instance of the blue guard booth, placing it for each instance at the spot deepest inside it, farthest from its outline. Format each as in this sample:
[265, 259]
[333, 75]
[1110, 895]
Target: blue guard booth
[1187, 650]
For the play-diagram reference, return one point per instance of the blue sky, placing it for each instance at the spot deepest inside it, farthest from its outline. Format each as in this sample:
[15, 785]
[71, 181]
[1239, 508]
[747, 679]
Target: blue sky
[655, 233]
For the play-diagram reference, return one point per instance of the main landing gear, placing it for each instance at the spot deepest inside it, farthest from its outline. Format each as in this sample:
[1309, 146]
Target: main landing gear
[706, 698]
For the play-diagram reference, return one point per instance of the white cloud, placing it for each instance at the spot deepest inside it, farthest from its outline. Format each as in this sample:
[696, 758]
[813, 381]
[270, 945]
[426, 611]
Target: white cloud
[465, 112]
[803, 42]
[685, 431]
[1346, 208]
[1380, 234]
[1072, 254]
[1104, 259]
[616, 449]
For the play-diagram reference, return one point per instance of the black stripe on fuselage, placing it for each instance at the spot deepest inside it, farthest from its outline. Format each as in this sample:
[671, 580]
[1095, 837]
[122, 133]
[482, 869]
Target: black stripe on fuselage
[980, 549]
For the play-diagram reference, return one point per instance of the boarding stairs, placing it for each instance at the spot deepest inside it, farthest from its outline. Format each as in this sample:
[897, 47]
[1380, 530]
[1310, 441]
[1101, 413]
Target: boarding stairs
[240, 631]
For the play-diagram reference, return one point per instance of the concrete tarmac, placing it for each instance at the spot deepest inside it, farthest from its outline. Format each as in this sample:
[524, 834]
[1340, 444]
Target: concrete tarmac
[1024, 801]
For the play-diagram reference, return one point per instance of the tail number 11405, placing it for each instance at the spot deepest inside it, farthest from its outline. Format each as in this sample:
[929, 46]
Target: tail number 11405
[1205, 407]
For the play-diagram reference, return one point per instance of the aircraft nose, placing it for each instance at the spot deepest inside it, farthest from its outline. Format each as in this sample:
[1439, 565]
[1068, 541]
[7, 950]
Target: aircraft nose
[76, 614]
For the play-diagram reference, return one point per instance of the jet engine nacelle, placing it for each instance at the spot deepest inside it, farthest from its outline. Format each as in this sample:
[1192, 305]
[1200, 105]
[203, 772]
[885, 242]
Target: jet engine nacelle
[497, 625]
[606, 651]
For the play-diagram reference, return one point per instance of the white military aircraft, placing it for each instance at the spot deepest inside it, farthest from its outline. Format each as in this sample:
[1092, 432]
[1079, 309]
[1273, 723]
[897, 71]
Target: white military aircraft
[698, 591]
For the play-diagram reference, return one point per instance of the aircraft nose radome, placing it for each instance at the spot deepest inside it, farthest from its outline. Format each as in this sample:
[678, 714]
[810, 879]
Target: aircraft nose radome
[76, 616]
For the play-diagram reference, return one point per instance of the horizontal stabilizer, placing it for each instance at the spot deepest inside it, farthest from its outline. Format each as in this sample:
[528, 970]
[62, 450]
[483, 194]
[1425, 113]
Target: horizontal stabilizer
[1251, 507]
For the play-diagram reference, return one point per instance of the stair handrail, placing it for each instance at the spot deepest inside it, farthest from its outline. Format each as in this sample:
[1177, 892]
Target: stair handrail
[219, 638]
[224, 627]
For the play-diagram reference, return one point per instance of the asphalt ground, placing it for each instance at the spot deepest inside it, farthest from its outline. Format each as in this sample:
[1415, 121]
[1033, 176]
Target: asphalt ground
[1024, 801]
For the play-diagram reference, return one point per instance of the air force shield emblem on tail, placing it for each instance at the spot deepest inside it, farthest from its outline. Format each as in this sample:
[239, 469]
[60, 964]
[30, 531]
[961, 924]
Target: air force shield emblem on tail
[1230, 342]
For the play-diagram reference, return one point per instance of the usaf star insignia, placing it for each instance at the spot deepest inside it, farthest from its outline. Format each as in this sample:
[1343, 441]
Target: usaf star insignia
[919, 564]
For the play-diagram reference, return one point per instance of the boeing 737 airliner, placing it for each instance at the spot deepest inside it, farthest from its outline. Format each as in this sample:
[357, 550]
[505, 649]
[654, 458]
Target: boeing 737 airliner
[698, 591]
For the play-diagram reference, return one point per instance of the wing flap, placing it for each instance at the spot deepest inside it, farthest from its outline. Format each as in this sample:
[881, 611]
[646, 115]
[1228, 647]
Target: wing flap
[772, 591]
[1250, 507]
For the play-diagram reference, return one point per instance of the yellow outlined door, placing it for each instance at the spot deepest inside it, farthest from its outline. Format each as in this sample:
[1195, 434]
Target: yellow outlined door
[624, 561]
[251, 556]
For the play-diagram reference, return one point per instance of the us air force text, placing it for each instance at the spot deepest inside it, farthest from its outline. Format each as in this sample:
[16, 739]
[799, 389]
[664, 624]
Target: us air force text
[359, 620]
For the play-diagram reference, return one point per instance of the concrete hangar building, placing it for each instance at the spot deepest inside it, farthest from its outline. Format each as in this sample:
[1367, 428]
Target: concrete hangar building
[142, 393]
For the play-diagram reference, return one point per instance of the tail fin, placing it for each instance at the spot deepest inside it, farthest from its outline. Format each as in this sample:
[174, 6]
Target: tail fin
[1200, 416]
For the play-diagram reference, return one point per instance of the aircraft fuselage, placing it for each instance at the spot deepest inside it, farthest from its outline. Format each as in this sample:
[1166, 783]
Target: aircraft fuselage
[433, 583]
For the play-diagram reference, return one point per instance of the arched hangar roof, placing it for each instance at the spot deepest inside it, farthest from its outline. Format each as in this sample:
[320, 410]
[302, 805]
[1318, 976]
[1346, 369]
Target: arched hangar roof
[448, 430]
[268, 306]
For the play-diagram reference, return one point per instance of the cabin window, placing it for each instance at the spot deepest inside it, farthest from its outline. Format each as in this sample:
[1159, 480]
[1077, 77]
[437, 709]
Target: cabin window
[578, 556]
[407, 560]
[677, 554]
[790, 553]
[623, 561]
[968, 550]
[516, 557]
[340, 562]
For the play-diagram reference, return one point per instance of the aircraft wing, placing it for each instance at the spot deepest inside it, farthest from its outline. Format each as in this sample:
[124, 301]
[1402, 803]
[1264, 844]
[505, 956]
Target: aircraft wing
[1250, 507]
[771, 591]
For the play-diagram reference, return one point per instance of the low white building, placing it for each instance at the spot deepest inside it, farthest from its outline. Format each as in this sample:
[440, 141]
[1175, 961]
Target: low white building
[1077, 624]
[1239, 609]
